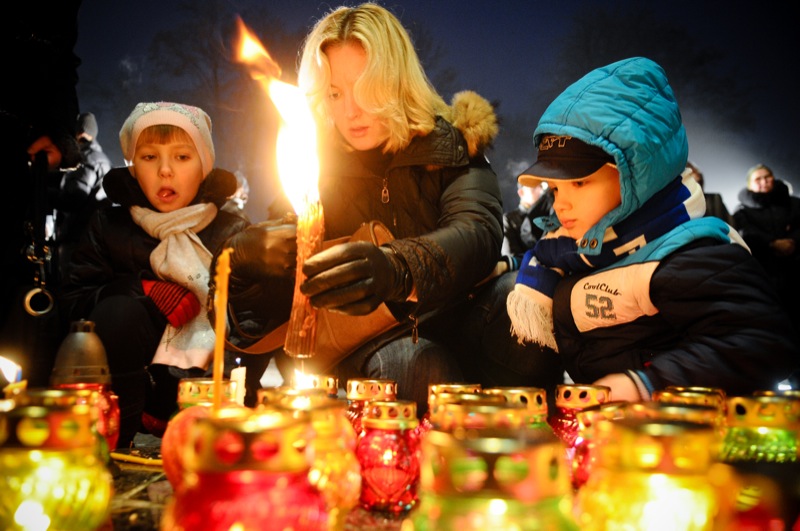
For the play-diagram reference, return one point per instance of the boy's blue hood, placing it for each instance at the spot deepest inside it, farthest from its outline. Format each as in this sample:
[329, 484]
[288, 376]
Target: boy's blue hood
[629, 110]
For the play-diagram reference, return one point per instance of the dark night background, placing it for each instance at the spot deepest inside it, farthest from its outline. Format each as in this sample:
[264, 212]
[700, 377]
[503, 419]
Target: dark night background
[731, 64]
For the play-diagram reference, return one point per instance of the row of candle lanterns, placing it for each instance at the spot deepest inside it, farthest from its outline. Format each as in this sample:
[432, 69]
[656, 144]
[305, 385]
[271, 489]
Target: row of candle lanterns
[479, 459]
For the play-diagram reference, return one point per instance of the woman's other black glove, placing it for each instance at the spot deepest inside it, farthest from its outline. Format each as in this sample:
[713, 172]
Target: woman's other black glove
[355, 278]
[262, 278]
[262, 251]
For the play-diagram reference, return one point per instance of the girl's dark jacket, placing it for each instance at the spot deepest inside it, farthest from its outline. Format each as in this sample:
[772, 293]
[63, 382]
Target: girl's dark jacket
[114, 254]
[438, 196]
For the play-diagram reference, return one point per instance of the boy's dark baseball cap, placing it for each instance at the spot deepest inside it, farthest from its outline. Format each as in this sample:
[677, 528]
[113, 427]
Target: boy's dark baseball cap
[564, 158]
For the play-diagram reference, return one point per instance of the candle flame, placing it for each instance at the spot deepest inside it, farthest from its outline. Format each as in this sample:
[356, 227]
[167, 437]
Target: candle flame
[11, 371]
[298, 164]
[303, 380]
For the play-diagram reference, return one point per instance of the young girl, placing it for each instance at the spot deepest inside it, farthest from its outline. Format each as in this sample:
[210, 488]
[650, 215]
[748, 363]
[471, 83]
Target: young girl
[141, 272]
[631, 284]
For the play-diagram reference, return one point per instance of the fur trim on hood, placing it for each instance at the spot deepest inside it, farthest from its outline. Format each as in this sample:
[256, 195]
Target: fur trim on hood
[474, 116]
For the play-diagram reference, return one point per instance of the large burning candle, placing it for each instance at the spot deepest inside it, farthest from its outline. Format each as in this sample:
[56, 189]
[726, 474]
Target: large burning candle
[298, 167]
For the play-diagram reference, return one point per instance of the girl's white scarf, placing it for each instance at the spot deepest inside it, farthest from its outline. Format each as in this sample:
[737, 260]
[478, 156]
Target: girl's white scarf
[182, 258]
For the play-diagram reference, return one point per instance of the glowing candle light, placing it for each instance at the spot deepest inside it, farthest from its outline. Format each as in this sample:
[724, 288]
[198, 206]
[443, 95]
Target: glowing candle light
[298, 167]
[12, 372]
[220, 309]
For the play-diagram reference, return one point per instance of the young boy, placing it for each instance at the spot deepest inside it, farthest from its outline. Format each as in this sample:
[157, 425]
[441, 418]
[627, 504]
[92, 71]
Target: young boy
[631, 284]
[141, 272]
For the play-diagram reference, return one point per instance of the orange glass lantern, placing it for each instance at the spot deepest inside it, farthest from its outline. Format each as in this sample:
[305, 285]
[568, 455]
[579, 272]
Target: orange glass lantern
[51, 476]
[534, 399]
[360, 391]
[335, 470]
[590, 437]
[105, 415]
[388, 452]
[247, 472]
[195, 400]
[326, 382]
[706, 396]
[653, 474]
[434, 390]
[444, 417]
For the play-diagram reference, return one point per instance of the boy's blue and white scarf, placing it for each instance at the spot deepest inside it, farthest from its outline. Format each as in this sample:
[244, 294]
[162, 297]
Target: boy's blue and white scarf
[666, 222]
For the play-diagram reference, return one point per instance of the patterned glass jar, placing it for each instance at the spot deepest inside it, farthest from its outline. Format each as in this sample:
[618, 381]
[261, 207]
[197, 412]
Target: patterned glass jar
[388, 452]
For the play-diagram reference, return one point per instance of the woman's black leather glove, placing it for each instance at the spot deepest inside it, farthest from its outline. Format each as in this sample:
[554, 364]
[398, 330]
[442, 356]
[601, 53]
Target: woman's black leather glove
[355, 278]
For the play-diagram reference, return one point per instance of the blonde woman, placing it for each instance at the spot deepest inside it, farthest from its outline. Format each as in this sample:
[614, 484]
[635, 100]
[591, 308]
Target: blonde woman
[394, 151]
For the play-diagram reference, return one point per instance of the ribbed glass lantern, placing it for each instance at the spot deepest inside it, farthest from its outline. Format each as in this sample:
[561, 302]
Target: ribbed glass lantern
[51, 476]
[762, 428]
[248, 472]
[492, 479]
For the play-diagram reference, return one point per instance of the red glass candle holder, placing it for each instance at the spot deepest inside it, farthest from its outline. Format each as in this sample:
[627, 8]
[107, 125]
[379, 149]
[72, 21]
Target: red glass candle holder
[388, 452]
[195, 400]
[571, 398]
[361, 391]
[248, 472]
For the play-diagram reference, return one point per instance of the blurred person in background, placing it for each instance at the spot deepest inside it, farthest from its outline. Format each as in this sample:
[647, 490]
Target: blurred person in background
[768, 218]
[715, 206]
[520, 232]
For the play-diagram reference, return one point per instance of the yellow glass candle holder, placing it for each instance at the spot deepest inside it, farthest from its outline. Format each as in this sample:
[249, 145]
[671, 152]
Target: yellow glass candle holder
[651, 474]
[534, 399]
[494, 480]
[51, 476]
